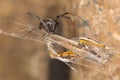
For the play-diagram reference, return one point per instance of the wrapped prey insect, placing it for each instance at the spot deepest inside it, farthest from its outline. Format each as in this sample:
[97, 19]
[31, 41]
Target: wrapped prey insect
[74, 48]
[75, 53]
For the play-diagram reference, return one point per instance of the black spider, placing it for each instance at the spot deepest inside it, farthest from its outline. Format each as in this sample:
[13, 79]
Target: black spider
[50, 25]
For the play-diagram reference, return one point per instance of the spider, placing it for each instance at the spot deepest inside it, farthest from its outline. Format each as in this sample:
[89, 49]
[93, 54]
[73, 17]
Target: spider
[51, 25]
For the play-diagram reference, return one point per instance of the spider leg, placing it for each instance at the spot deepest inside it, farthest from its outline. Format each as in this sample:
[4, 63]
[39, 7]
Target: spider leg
[66, 15]
[41, 21]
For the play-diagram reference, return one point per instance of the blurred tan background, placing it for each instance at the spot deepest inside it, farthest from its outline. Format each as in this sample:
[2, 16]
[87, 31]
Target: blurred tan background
[27, 60]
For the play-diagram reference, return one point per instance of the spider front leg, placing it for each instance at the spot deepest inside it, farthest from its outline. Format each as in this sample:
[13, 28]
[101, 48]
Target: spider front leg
[64, 15]
[41, 22]
[68, 16]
